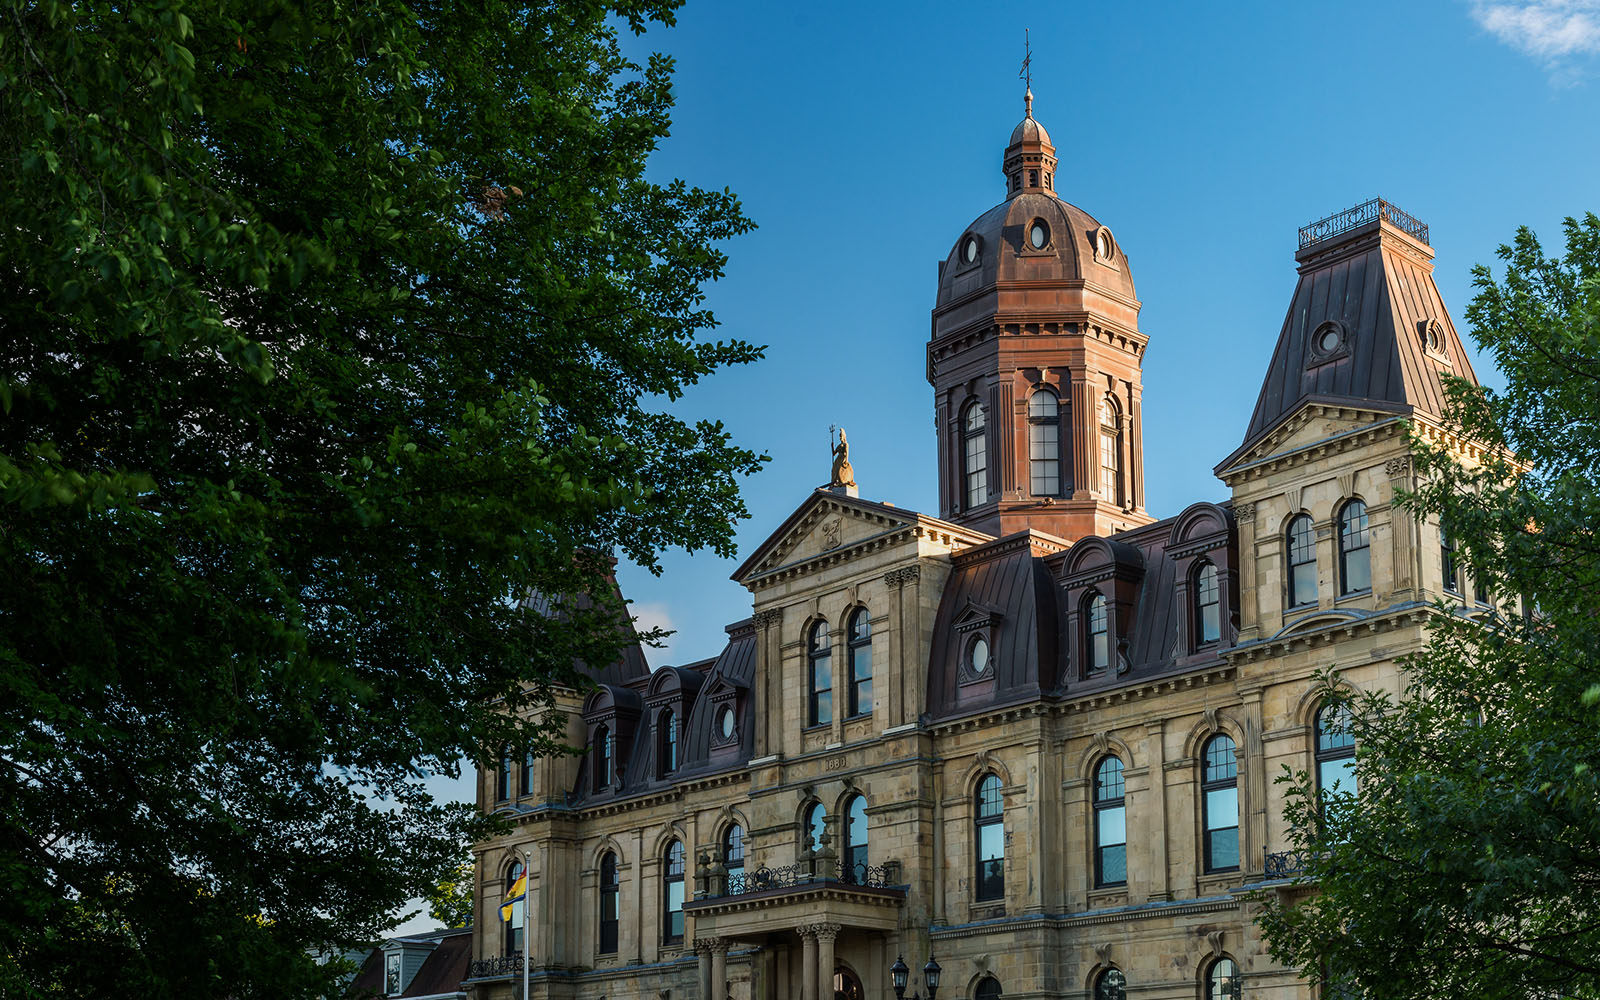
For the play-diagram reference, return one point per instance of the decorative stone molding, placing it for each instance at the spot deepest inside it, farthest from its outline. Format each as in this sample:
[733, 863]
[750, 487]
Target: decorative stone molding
[1214, 939]
[1347, 484]
[903, 575]
[1397, 467]
[1103, 952]
[826, 932]
[768, 617]
[1292, 495]
[1244, 511]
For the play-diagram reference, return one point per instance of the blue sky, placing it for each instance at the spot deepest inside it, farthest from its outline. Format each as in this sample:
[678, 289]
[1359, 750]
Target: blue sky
[862, 138]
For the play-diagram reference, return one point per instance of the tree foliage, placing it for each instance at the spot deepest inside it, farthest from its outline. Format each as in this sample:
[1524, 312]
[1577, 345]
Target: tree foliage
[1469, 864]
[330, 333]
[450, 900]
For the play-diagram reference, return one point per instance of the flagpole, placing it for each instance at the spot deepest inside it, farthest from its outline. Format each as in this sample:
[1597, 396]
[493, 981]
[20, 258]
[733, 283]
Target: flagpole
[527, 931]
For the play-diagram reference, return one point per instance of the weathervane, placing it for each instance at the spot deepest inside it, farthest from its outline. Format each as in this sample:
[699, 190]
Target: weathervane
[1026, 74]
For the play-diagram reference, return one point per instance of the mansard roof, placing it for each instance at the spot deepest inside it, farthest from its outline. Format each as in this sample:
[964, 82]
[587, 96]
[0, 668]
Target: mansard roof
[1366, 325]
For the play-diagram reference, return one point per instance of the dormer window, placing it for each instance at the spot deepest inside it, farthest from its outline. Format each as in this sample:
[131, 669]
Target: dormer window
[969, 250]
[391, 974]
[603, 768]
[977, 658]
[667, 723]
[1097, 634]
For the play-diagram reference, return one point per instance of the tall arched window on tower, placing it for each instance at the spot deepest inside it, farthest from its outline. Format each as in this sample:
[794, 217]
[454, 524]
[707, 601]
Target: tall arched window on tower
[733, 857]
[668, 737]
[990, 838]
[502, 778]
[1302, 556]
[525, 787]
[855, 840]
[1207, 606]
[1110, 451]
[1044, 443]
[819, 657]
[1111, 985]
[1447, 562]
[602, 758]
[513, 939]
[1096, 633]
[672, 895]
[1222, 981]
[974, 455]
[1110, 825]
[1355, 550]
[1220, 804]
[860, 645]
[816, 823]
[1336, 751]
[610, 892]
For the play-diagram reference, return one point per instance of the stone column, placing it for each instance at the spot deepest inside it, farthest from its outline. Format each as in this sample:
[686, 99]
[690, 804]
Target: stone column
[702, 950]
[808, 960]
[719, 969]
[1155, 751]
[825, 935]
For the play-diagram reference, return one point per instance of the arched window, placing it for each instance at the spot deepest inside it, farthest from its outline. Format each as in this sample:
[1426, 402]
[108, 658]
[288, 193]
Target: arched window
[855, 840]
[610, 895]
[1044, 443]
[1336, 751]
[1096, 633]
[1111, 985]
[1447, 562]
[1302, 562]
[816, 822]
[1222, 980]
[989, 989]
[672, 894]
[819, 706]
[733, 857]
[1207, 606]
[602, 759]
[667, 734]
[1110, 825]
[1110, 451]
[990, 836]
[526, 785]
[860, 645]
[1355, 550]
[502, 778]
[513, 939]
[975, 455]
[1219, 785]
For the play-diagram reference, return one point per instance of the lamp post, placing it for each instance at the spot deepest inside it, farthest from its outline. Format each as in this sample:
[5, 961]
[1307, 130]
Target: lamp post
[900, 974]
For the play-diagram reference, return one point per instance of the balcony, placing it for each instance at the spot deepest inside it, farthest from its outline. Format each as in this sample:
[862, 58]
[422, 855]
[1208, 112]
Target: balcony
[773, 899]
[1285, 865]
[495, 967]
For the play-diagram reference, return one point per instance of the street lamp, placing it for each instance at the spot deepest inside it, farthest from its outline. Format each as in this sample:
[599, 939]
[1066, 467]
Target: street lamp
[899, 974]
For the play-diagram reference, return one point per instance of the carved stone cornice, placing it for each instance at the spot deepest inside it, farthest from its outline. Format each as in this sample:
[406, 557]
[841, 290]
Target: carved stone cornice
[768, 617]
[903, 575]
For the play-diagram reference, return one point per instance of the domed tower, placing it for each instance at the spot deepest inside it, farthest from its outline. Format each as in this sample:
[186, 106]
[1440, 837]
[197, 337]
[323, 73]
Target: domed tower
[1034, 362]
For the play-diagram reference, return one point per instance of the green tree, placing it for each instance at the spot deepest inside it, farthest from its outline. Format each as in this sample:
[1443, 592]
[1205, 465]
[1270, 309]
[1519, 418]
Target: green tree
[1469, 864]
[450, 900]
[331, 332]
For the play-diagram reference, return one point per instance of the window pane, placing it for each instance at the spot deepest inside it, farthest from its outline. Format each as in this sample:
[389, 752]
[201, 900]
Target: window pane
[1358, 570]
[1113, 826]
[814, 824]
[989, 803]
[1333, 728]
[675, 908]
[1305, 584]
[1108, 780]
[1222, 759]
[824, 709]
[1222, 808]
[1222, 849]
[1337, 775]
[1113, 865]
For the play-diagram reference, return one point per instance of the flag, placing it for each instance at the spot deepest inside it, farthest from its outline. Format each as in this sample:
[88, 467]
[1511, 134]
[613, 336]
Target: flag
[516, 894]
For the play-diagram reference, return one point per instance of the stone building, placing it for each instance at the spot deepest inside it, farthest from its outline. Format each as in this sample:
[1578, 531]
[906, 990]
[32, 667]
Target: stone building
[1034, 735]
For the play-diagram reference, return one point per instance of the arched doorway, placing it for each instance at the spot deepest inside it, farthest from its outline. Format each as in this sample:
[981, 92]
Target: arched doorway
[846, 986]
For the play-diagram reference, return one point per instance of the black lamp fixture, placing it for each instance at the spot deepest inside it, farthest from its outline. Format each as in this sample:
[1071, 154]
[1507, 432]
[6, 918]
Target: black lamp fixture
[900, 974]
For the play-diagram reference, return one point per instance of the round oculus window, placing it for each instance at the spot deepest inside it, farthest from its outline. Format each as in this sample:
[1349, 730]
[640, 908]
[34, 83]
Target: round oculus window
[1103, 243]
[969, 249]
[725, 722]
[1328, 342]
[1038, 235]
[978, 655]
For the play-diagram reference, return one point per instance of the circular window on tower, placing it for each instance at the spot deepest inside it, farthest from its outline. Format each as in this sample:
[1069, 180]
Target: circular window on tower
[969, 250]
[1038, 234]
[1104, 246]
[1327, 342]
[977, 658]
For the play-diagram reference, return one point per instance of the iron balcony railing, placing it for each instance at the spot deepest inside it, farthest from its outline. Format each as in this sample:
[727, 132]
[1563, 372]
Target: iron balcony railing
[806, 873]
[1285, 864]
[496, 966]
[1360, 215]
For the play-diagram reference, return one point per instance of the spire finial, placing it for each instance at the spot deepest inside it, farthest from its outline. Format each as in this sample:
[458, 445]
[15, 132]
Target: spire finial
[1026, 76]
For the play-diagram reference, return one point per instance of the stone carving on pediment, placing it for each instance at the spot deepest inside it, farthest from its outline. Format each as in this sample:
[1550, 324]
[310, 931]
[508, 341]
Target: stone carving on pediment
[831, 532]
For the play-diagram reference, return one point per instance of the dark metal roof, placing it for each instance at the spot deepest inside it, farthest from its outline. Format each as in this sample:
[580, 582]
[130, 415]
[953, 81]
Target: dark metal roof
[1374, 285]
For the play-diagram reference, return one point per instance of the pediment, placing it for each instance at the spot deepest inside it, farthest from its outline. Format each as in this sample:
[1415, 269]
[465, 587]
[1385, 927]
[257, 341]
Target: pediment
[826, 522]
[1314, 422]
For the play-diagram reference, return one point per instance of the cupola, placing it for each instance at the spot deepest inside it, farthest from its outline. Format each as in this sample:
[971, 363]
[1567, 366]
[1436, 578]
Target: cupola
[1030, 160]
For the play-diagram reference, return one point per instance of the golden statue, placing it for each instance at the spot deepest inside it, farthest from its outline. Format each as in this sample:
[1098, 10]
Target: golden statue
[843, 473]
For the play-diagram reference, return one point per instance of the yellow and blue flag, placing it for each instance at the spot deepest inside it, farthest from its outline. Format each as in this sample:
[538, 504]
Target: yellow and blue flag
[514, 895]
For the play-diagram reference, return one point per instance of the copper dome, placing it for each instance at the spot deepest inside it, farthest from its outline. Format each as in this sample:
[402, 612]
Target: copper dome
[1075, 247]
[1029, 130]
